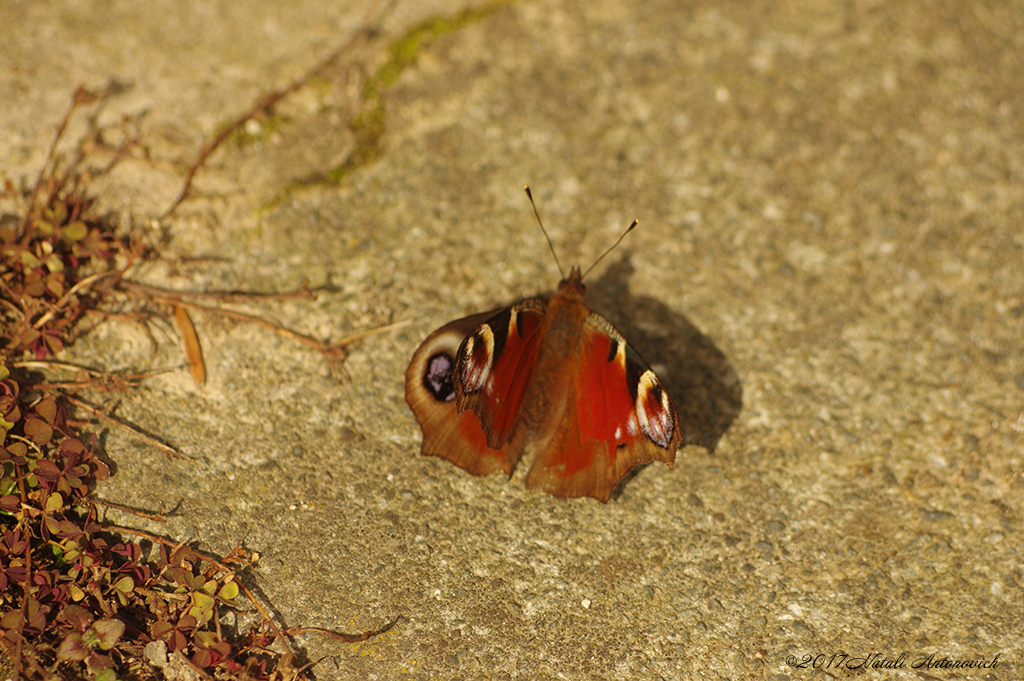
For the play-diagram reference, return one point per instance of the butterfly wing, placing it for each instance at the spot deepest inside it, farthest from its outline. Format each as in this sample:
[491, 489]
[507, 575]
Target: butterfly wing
[617, 416]
[430, 393]
[494, 369]
[467, 383]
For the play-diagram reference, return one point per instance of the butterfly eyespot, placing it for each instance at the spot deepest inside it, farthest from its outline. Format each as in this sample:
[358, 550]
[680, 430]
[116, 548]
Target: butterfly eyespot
[475, 358]
[654, 410]
[437, 379]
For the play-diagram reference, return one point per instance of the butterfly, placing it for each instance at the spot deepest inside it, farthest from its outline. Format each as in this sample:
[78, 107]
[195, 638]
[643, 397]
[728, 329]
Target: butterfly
[548, 377]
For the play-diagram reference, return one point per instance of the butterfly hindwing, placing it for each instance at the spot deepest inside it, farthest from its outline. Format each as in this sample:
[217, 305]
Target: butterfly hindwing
[618, 416]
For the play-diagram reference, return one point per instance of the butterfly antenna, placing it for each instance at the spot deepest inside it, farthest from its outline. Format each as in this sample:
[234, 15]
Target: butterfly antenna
[628, 230]
[550, 245]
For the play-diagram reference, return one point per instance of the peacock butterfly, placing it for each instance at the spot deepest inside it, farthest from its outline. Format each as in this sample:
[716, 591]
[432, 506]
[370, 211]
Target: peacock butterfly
[546, 376]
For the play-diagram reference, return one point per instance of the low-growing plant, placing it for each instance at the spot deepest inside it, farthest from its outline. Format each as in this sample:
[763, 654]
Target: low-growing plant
[79, 597]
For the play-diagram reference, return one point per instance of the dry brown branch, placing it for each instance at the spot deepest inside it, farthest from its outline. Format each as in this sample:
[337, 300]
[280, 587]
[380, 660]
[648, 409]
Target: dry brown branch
[142, 514]
[302, 292]
[345, 638]
[118, 423]
[366, 29]
[81, 96]
[333, 352]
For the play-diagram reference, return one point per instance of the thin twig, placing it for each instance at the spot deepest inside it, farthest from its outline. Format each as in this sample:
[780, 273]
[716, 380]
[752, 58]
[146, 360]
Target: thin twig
[167, 449]
[85, 283]
[53, 364]
[345, 638]
[142, 514]
[302, 292]
[331, 350]
[268, 100]
[81, 96]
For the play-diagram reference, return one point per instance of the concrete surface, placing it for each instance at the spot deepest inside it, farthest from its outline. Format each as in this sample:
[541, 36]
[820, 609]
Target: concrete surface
[829, 271]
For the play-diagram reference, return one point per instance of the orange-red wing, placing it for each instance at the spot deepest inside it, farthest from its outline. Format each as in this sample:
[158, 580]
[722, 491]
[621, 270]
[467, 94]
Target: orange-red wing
[601, 436]
[494, 368]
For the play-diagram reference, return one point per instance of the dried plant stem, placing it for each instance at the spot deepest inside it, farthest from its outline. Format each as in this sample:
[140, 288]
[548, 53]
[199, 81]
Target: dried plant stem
[46, 364]
[366, 29]
[334, 352]
[118, 423]
[84, 283]
[142, 514]
[81, 96]
[345, 638]
[302, 292]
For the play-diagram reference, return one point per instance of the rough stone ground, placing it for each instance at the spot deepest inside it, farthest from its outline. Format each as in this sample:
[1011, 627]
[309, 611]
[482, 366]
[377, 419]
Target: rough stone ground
[829, 273]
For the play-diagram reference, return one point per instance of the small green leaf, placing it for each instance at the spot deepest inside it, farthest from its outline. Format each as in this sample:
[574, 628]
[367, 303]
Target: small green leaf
[206, 639]
[54, 263]
[124, 585]
[76, 231]
[202, 607]
[54, 502]
[201, 602]
[228, 591]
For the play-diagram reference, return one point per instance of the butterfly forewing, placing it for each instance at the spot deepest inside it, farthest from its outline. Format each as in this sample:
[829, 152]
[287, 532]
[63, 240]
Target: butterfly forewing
[494, 368]
[603, 435]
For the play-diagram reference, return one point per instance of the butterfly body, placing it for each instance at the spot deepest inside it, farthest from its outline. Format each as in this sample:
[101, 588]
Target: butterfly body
[547, 378]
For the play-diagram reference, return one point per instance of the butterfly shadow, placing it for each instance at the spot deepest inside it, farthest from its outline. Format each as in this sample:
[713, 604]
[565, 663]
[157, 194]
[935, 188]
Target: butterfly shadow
[704, 386]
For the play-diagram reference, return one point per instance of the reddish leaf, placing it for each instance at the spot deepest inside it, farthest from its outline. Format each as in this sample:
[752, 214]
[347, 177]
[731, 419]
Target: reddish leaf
[160, 628]
[47, 409]
[177, 641]
[38, 430]
[203, 658]
[77, 616]
[109, 632]
[10, 619]
[66, 528]
[45, 468]
[17, 452]
[71, 446]
[182, 553]
[72, 648]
